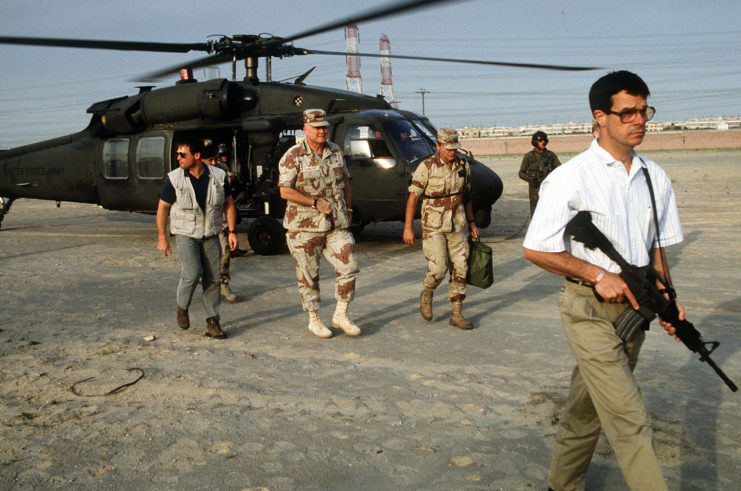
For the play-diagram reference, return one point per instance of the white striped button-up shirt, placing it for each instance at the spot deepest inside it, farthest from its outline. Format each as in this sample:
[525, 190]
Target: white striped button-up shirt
[619, 202]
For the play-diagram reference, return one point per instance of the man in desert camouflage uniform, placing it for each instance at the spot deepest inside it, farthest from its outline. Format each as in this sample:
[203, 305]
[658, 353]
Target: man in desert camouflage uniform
[444, 183]
[316, 183]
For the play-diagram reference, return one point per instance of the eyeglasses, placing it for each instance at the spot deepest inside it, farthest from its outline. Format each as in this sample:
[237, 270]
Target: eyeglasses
[182, 155]
[628, 115]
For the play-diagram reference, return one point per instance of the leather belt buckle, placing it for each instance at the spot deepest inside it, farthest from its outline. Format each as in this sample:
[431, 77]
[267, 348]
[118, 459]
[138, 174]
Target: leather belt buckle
[586, 283]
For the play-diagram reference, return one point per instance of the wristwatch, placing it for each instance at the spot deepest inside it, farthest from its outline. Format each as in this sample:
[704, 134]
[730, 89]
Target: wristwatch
[314, 205]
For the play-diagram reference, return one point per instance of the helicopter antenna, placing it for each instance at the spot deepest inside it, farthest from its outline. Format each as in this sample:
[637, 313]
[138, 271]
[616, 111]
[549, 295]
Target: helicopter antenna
[387, 87]
[300, 80]
[353, 81]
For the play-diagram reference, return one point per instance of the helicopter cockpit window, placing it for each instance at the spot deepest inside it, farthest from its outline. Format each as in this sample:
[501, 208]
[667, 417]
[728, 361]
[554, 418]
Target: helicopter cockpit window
[150, 160]
[116, 158]
[410, 141]
[365, 147]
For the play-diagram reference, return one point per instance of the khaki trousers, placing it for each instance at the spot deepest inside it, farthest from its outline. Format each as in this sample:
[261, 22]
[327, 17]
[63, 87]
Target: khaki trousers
[603, 394]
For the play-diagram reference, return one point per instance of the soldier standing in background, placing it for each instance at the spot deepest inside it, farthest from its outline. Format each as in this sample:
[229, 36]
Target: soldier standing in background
[536, 165]
[210, 158]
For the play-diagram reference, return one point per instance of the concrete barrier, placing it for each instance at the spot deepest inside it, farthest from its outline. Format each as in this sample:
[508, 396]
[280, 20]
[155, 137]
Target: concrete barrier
[666, 140]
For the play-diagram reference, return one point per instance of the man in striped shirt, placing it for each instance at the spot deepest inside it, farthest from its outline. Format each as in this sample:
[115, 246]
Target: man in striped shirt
[608, 181]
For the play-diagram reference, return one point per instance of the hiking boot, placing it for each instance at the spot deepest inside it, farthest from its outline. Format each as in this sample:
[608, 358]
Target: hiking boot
[425, 304]
[213, 330]
[182, 318]
[317, 327]
[457, 319]
[340, 320]
[226, 293]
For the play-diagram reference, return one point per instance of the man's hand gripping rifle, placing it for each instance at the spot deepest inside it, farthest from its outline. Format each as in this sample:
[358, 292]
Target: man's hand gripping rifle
[642, 282]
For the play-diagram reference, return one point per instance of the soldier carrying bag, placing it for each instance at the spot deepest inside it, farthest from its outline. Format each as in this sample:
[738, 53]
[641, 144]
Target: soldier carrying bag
[480, 271]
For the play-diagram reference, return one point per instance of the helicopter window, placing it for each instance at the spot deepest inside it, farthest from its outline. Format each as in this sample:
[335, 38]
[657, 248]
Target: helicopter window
[116, 158]
[365, 147]
[150, 161]
[425, 127]
[411, 142]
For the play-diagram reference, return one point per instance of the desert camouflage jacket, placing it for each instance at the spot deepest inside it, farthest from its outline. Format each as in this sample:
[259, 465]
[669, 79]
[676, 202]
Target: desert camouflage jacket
[443, 188]
[322, 176]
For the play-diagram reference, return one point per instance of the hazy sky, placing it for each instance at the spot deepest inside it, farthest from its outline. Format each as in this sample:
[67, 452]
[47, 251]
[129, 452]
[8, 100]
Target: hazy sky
[689, 53]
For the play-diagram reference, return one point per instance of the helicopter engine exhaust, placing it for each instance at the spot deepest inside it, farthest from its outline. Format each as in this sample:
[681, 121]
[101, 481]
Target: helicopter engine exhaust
[217, 99]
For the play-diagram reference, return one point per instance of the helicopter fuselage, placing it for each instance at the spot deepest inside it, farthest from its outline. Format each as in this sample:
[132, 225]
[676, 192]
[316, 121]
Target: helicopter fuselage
[120, 161]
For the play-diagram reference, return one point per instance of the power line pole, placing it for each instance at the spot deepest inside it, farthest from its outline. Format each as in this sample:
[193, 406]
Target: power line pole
[423, 92]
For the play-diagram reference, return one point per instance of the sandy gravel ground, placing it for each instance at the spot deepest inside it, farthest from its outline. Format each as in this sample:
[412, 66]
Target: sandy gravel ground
[409, 405]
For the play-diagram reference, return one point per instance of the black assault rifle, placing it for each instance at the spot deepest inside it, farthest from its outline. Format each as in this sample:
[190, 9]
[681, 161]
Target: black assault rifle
[642, 282]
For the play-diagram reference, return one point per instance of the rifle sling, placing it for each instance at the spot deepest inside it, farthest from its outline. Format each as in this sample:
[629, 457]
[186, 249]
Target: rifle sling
[662, 255]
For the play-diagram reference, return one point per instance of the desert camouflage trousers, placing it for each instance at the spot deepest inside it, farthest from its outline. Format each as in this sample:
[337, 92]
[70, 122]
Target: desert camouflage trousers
[225, 258]
[337, 247]
[444, 251]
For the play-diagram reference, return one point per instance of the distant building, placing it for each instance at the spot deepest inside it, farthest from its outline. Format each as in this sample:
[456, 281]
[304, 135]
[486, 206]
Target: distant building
[717, 124]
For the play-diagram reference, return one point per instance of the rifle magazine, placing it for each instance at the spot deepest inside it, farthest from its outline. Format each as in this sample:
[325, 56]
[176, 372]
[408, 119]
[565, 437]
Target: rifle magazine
[628, 324]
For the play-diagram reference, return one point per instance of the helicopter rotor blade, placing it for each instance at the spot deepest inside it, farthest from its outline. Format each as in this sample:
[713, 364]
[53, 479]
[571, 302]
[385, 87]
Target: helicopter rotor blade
[455, 60]
[102, 44]
[386, 10]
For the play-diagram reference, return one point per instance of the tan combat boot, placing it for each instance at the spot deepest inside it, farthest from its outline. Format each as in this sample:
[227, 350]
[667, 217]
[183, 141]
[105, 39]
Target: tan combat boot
[227, 294]
[425, 304]
[341, 321]
[317, 327]
[457, 319]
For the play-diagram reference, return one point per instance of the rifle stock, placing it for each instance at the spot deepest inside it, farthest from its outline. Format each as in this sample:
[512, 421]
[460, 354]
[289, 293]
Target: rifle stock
[642, 282]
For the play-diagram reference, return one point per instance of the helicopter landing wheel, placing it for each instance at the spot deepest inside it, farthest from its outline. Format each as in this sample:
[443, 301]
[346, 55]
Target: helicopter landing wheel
[266, 236]
[357, 225]
[5, 204]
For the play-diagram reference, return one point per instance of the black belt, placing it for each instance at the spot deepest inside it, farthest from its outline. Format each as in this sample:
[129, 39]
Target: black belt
[586, 283]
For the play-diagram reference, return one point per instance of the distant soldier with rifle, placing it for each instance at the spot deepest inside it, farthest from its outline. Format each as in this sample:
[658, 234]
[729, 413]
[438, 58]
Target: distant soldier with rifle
[607, 180]
[536, 165]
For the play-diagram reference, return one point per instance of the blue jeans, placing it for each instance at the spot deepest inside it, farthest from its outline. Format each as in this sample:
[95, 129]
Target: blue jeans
[199, 258]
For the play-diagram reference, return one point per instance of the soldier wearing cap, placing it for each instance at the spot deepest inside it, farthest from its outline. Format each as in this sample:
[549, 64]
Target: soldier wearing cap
[444, 183]
[315, 182]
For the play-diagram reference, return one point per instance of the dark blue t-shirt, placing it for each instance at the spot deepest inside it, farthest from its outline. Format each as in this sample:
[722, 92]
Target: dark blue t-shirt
[200, 186]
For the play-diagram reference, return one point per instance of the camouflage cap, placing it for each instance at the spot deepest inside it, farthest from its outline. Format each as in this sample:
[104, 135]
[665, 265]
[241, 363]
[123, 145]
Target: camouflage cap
[316, 118]
[448, 138]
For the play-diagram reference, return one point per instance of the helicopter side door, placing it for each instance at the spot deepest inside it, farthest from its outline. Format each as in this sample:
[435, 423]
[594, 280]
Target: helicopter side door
[378, 179]
[132, 170]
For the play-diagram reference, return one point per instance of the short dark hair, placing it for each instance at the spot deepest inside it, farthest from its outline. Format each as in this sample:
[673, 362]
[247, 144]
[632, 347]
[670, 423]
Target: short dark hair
[209, 151]
[193, 143]
[600, 95]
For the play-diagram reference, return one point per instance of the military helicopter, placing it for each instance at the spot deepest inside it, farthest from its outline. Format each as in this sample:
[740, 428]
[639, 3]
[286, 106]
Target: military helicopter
[121, 159]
